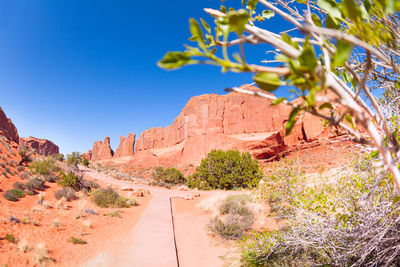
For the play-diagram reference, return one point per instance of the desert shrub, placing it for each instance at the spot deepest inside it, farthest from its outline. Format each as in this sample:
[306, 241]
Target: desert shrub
[69, 180]
[233, 220]
[77, 241]
[59, 157]
[13, 194]
[23, 152]
[169, 175]
[242, 198]
[93, 184]
[19, 185]
[106, 198]
[11, 163]
[85, 162]
[67, 192]
[7, 169]
[226, 170]
[74, 159]
[25, 175]
[20, 168]
[3, 165]
[35, 184]
[348, 220]
[11, 238]
[230, 206]
[43, 166]
[51, 178]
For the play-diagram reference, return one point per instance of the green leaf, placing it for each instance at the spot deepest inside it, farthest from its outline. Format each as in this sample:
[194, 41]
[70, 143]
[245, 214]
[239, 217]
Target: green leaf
[268, 81]
[197, 33]
[223, 9]
[351, 10]
[343, 51]
[174, 60]
[287, 39]
[346, 77]
[331, 7]
[331, 23]
[278, 100]
[267, 14]
[326, 105]
[205, 25]
[251, 4]
[316, 20]
[349, 119]
[307, 57]
[292, 120]
[311, 98]
[237, 20]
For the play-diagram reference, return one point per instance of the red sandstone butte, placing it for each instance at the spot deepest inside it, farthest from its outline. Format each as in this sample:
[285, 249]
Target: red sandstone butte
[102, 150]
[126, 146]
[7, 128]
[87, 155]
[211, 121]
[43, 147]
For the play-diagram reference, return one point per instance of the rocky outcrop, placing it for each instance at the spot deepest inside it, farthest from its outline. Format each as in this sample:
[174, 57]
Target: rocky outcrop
[43, 147]
[87, 155]
[102, 150]
[232, 121]
[7, 128]
[126, 146]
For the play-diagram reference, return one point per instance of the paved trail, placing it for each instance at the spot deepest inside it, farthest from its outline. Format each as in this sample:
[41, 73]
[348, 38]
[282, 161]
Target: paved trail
[151, 243]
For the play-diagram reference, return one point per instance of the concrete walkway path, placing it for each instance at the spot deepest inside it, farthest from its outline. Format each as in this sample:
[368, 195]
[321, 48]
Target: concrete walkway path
[151, 243]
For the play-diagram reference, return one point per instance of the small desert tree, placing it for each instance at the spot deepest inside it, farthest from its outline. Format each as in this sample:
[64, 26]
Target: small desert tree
[348, 47]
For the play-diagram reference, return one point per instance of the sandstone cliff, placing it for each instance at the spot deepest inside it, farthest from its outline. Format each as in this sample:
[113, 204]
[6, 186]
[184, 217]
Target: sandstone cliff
[232, 121]
[43, 147]
[126, 146]
[102, 150]
[7, 128]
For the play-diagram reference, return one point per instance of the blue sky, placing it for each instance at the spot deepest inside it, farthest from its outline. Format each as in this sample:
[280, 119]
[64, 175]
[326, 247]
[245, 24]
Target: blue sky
[74, 71]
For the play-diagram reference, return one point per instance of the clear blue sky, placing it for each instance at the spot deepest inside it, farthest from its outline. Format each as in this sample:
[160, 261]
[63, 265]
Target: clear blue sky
[74, 71]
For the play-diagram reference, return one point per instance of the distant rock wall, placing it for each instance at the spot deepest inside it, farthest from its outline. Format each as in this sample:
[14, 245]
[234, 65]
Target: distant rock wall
[126, 146]
[7, 128]
[102, 150]
[207, 122]
[43, 147]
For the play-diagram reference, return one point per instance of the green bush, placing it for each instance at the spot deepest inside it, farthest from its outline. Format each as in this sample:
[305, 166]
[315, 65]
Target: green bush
[233, 220]
[43, 166]
[68, 193]
[74, 159]
[85, 162]
[19, 185]
[34, 184]
[226, 170]
[106, 198]
[350, 219]
[23, 152]
[169, 175]
[51, 178]
[69, 180]
[59, 157]
[93, 184]
[13, 194]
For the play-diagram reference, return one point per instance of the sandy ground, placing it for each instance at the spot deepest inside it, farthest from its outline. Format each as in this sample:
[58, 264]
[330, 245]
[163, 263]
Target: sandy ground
[196, 248]
[54, 226]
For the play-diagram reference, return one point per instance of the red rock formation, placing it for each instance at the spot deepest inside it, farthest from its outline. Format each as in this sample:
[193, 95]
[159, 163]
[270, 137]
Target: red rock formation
[87, 155]
[126, 146]
[102, 150]
[232, 121]
[7, 128]
[43, 147]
